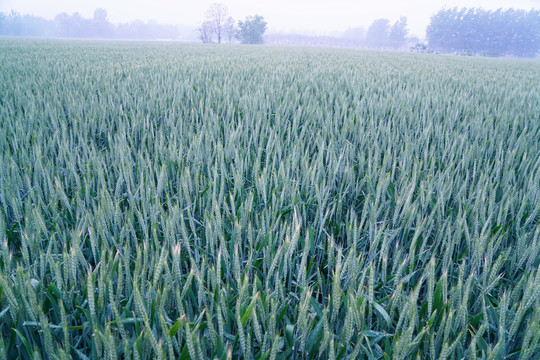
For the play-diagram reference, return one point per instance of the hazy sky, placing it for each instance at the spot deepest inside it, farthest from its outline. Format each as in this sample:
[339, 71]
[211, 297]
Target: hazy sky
[305, 16]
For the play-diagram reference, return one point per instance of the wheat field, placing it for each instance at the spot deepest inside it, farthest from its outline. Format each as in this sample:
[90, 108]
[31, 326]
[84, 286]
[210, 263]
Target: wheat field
[174, 201]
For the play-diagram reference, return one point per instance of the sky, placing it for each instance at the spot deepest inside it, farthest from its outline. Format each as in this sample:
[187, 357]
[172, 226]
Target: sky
[316, 17]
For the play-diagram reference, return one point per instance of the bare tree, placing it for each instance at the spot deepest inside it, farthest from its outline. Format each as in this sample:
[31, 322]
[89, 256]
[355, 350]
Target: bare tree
[205, 32]
[230, 29]
[217, 15]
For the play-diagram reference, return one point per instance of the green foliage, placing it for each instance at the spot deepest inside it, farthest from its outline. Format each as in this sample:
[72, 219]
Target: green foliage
[398, 33]
[180, 201]
[377, 33]
[251, 30]
[475, 31]
[381, 34]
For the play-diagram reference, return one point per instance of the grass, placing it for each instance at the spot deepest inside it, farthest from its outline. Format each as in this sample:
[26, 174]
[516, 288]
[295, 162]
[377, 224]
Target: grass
[193, 202]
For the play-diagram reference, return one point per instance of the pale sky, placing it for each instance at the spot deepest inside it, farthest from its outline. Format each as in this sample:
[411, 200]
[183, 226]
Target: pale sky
[302, 16]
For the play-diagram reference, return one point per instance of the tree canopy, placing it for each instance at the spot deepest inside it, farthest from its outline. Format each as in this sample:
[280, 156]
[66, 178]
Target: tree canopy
[251, 30]
[398, 33]
[381, 34]
[377, 33]
[76, 26]
[484, 32]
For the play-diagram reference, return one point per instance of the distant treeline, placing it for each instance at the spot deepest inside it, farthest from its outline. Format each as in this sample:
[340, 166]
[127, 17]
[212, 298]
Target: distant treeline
[458, 31]
[76, 26]
[487, 33]
[381, 34]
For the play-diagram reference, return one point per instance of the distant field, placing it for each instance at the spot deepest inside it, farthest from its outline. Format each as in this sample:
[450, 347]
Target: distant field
[201, 202]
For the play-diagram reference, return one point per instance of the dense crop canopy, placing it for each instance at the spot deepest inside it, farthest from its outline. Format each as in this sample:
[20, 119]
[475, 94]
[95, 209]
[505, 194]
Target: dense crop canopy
[179, 201]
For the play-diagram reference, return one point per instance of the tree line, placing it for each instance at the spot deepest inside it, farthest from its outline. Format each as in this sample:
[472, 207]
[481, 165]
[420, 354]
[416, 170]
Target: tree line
[76, 26]
[466, 31]
[484, 32]
[219, 26]
[381, 34]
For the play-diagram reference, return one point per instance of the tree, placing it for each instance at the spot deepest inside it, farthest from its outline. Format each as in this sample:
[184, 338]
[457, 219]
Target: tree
[251, 30]
[217, 16]
[100, 26]
[488, 33]
[3, 24]
[15, 23]
[377, 34]
[100, 14]
[72, 25]
[398, 33]
[206, 32]
[230, 29]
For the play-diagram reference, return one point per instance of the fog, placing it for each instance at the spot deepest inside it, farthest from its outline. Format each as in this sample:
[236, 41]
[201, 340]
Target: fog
[303, 17]
[479, 28]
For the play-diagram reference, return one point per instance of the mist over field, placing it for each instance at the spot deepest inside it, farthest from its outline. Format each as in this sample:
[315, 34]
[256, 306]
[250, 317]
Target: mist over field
[494, 28]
